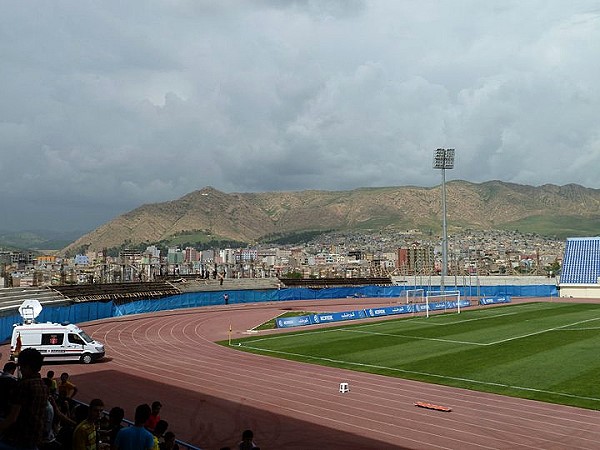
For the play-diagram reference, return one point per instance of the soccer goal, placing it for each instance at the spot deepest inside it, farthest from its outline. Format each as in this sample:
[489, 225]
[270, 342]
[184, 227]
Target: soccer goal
[442, 300]
[415, 296]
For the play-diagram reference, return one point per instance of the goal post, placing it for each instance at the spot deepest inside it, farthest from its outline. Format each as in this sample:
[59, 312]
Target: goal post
[415, 296]
[442, 300]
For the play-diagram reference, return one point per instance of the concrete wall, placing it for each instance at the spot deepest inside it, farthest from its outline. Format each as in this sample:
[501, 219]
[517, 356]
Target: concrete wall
[580, 291]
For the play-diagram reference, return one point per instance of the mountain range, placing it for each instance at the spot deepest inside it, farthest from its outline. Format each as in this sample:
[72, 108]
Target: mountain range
[211, 215]
[37, 240]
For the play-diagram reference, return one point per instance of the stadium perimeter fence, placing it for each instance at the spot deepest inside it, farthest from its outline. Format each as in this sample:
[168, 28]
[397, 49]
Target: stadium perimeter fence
[95, 310]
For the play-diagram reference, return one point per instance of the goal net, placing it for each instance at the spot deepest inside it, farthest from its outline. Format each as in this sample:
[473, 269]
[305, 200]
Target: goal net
[415, 296]
[442, 301]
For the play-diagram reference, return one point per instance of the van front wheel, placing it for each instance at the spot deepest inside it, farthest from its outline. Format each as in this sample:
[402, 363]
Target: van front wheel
[86, 358]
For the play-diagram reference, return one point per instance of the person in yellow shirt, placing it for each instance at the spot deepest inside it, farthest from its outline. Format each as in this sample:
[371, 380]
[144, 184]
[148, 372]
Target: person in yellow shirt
[157, 433]
[84, 436]
[53, 385]
[66, 389]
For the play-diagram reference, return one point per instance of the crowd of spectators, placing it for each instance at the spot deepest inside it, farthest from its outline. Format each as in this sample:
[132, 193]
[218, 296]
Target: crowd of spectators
[41, 414]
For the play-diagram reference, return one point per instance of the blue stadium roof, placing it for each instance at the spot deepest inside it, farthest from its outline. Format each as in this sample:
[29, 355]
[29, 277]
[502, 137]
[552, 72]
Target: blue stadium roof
[581, 263]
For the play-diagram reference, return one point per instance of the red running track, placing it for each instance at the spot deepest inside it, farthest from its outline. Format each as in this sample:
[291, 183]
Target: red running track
[211, 393]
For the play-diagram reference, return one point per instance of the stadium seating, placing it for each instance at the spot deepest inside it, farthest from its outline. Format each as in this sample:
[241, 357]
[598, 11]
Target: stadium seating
[581, 262]
[319, 283]
[12, 298]
[117, 292]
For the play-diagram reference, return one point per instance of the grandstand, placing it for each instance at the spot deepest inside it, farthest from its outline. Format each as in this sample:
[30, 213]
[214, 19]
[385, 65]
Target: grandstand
[12, 298]
[581, 268]
[320, 283]
[118, 292]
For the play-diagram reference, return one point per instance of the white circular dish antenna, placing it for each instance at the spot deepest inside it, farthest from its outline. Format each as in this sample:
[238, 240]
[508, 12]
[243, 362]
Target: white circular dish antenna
[30, 309]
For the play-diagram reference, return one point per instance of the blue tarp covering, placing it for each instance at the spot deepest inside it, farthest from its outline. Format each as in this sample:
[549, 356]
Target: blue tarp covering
[6, 325]
[76, 313]
[88, 311]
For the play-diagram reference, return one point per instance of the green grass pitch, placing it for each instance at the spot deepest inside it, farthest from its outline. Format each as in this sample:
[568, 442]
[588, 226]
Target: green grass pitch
[541, 351]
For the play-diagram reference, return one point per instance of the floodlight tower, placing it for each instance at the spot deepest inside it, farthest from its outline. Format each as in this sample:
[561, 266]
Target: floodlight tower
[444, 159]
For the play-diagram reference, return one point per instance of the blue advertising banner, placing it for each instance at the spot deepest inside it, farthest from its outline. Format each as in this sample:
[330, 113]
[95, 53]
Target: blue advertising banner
[322, 318]
[382, 311]
[437, 306]
[389, 310]
[404, 309]
[464, 303]
[338, 316]
[287, 322]
[376, 312]
[298, 321]
[494, 300]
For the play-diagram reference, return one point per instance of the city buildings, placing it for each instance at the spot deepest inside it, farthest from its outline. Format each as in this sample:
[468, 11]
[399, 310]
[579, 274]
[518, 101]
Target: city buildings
[332, 255]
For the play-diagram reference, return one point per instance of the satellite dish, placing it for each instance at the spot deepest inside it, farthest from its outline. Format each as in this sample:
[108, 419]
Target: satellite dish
[29, 310]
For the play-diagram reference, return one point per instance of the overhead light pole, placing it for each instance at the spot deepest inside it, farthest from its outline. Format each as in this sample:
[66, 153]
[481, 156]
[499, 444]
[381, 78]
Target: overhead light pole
[444, 159]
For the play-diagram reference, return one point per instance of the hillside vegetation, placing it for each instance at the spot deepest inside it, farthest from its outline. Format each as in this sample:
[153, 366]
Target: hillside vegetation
[209, 215]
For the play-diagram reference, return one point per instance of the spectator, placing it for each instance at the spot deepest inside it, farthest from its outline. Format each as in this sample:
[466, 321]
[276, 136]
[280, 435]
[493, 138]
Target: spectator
[53, 385]
[23, 426]
[247, 442]
[65, 407]
[65, 434]
[169, 442]
[102, 427]
[84, 436]
[115, 418]
[66, 389]
[159, 430]
[9, 370]
[49, 441]
[8, 381]
[136, 437]
[154, 416]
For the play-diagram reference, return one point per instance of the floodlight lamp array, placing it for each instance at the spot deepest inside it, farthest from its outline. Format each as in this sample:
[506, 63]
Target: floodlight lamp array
[443, 158]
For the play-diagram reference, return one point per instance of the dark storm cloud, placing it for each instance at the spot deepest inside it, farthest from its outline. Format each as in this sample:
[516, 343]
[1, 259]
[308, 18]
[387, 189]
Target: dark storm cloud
[106, 106]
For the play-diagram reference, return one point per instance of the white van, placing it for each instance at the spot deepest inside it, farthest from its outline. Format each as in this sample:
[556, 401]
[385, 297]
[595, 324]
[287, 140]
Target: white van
[55, 341]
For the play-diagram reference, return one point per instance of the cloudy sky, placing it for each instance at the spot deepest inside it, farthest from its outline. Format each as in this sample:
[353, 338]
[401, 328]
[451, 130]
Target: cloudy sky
[107, 105]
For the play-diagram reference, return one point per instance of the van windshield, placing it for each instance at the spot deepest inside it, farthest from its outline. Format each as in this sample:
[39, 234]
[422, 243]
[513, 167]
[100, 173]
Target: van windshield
[85, 337]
